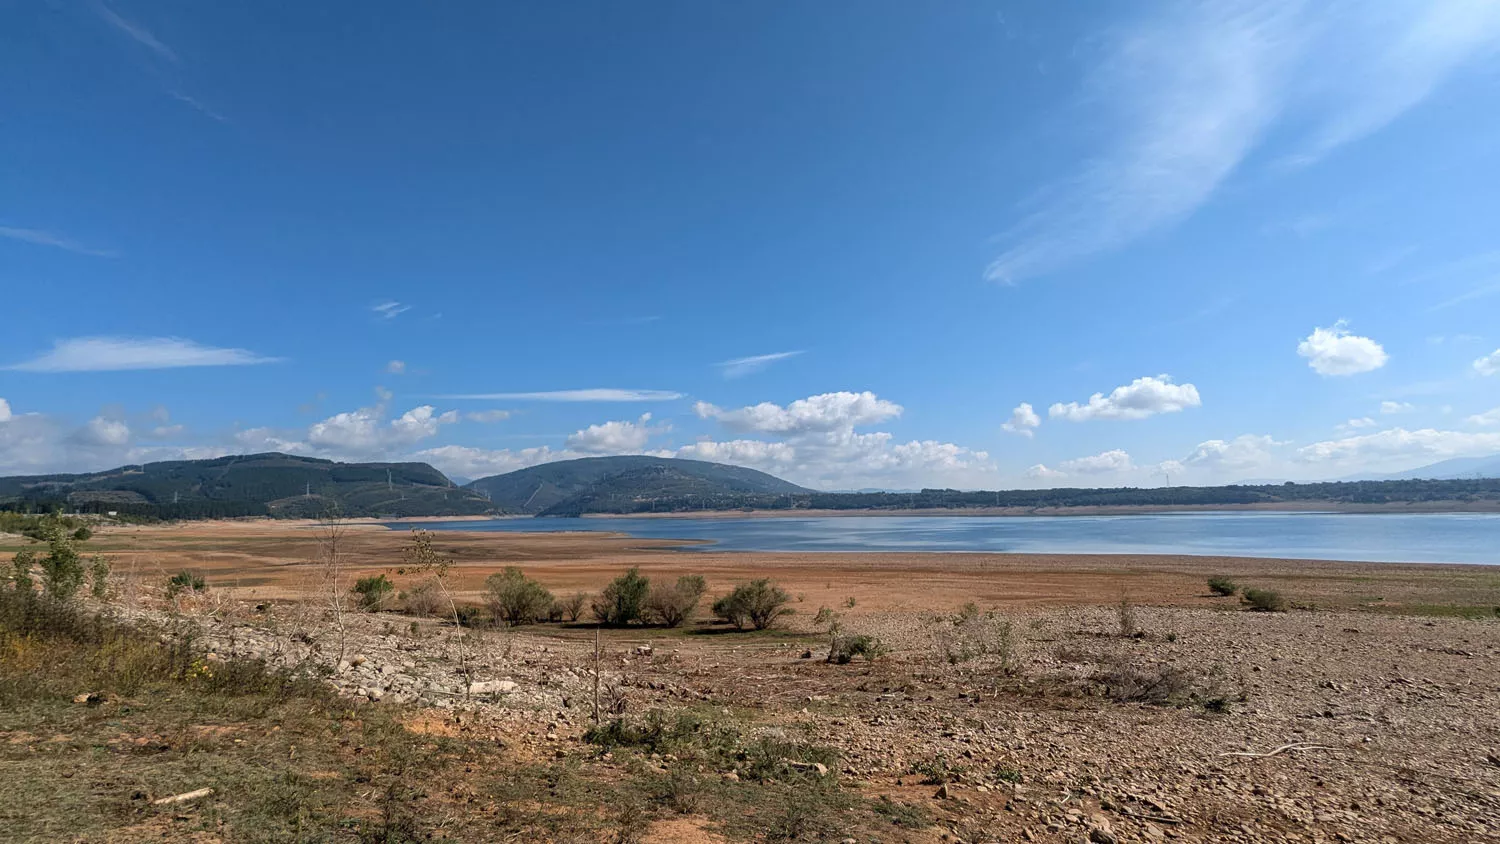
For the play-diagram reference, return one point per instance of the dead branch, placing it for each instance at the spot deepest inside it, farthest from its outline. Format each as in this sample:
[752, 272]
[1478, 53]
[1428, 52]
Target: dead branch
[183, 797]
[1294, 747]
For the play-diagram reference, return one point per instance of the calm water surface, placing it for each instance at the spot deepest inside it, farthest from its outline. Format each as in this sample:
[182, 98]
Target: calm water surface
[1425, 538]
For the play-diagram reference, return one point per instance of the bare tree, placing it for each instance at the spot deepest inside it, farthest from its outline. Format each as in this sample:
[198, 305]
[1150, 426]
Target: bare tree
[331, 531]
[424, 560]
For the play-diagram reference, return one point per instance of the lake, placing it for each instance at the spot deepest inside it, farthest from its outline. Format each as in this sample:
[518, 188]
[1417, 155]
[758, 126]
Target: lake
[1425, 537]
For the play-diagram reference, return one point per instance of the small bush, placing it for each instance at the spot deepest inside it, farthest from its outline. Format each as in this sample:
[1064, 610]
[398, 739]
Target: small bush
[374, 592]
[1265, 600]
[1222, 586]
[672, 605]
[758, 604]
[1159, 684]
[185, 581]
[422, 600]
[623, 600]
[846, 648]
[516, 598]
[1128, 627]
[970, 635]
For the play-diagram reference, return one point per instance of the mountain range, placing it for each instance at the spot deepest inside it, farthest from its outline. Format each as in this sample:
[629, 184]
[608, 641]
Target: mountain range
[609, 484]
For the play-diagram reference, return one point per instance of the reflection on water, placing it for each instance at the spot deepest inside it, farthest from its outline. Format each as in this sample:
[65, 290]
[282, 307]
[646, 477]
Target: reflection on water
[1425, 537]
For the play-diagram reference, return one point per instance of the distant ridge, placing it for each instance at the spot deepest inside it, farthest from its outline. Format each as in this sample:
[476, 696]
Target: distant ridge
[1458, 467]
[270, 484]
[626, 484]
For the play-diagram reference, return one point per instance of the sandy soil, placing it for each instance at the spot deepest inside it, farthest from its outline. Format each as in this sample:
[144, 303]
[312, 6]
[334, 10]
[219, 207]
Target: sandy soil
[1391, 697]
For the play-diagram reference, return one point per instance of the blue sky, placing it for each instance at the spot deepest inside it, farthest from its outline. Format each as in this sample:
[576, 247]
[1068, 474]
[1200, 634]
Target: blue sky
[843, 242]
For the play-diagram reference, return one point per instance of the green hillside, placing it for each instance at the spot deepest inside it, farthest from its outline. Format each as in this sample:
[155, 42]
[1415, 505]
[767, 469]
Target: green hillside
[608, 484]
[271, 484]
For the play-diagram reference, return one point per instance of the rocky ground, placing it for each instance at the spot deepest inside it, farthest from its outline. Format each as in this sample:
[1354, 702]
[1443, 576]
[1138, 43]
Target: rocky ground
[1205, 723]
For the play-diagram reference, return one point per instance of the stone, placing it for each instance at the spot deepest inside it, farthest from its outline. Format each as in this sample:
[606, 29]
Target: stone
[493, 687]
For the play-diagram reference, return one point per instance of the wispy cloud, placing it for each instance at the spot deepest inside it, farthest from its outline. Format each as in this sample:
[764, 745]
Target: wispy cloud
[390, 309]
[137, 32]
[116, 354]
[740, 367]
[1191, 93]
[205, 110]
[602, 394]
[44, 238]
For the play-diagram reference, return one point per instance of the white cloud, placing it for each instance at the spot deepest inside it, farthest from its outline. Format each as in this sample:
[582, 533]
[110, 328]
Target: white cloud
[1489, 364]
[825, 412]
[1041, 472]
[1189, 91]
[365, 431]
[4, 410]
[1489, 418]
[767, 456]
[603, 394]
[1114, 460]
[1247, 451]
[1023, 420]
[1334, 351]
[135, 31]
[1361, 422]
[469, 462]
[162, 432]
[1398, 444]
[113, 354]
[1389, 407]
[389, 309]
[739, 367]
[105, 432]
[1139, 399]
[487, 416]
[43, 238]
[258, 440]
[396, 367]
[620, 437]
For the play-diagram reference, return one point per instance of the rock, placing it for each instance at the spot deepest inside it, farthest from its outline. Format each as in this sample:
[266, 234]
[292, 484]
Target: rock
[493, 687]
[1100, 835]
[643, 650]
[807, 654]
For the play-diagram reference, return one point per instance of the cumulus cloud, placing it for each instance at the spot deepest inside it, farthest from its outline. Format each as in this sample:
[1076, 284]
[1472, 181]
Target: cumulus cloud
[104, 431]
[470, 462]
[769, 456]
[620, 437]
[825, 412]
[366, 432]
[1041, 472]
[114, 354]
[1023, 421]
[1247, 451]
[1114, 460]
[1489, 364]
[1397, 444]
[1139, 399]
[1389, 407]
[1334, 351]
[4, 410]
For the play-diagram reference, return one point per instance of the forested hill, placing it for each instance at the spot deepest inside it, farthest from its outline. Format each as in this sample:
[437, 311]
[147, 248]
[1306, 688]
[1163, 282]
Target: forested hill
[271, 484]
[628, 484]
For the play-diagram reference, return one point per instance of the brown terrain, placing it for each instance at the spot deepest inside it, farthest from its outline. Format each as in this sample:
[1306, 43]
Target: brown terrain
[1110, 697]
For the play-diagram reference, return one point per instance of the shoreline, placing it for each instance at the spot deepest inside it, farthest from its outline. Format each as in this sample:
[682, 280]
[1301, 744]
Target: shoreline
[1309, 507]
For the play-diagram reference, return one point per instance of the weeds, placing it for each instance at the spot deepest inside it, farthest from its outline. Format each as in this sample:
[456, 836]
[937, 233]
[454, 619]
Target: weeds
[970, 635]
[1264, 600]
[846, 647]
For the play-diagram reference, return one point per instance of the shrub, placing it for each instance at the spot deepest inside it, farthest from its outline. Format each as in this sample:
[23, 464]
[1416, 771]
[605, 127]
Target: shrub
[846, 648]
[422, 600]
[672, 605]
[1154, 684]
[623, 600]
[185, 581]
[758, 603]
[20, 571]
[1128, 627]
[1222, 586]
[970, 635]
[571, 607]
[99, 576]
[374, 592]
[516, 598]
[1265, 600]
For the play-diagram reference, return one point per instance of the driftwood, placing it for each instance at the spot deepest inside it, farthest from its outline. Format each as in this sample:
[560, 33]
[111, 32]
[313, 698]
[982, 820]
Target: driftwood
[1295, 746]
[183, 797]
